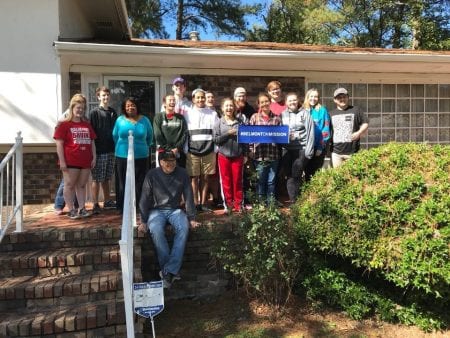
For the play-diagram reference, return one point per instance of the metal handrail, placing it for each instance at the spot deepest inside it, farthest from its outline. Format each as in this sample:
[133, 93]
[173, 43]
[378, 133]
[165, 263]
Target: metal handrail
[126, 241]
[12, 205]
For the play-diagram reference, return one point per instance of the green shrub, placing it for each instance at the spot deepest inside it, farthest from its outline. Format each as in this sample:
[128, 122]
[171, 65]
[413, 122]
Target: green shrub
[387, 210]
[359, 301]
[263, 254]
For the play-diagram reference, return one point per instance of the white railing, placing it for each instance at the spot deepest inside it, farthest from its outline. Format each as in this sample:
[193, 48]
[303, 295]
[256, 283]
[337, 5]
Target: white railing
[126, 241]
[11, 188]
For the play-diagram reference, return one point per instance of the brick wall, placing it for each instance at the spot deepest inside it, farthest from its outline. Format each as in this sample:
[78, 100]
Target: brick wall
[41, 177]
[223, 86]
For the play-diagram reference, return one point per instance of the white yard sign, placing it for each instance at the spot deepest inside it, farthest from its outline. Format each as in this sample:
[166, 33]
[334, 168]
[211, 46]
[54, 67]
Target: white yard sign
[148, 300]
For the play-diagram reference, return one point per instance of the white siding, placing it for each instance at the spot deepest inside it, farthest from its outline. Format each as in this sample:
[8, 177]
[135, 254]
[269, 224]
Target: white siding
[29, 84]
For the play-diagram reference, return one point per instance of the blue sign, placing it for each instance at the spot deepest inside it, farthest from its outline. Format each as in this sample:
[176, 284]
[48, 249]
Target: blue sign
[263, 134]
[148, 298]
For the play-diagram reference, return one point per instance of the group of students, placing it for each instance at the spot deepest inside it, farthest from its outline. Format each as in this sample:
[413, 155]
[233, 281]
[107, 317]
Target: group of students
[204, 140]
[192, 137]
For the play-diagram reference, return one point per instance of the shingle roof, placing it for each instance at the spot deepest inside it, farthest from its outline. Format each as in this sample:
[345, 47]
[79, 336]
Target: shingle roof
[276, 46]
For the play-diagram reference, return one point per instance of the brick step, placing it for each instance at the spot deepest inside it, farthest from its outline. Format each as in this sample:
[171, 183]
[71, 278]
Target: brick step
[197, 286]
[71, 260]
[104, 318]
[32, 292]
[61, 238]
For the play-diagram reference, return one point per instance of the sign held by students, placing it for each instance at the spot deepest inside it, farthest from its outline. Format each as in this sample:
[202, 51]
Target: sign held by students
[263, 134]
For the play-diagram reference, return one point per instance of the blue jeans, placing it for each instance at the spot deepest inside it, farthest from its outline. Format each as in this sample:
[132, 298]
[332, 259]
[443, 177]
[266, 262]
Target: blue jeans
[170, 260]
[59, 198]
[267, 171]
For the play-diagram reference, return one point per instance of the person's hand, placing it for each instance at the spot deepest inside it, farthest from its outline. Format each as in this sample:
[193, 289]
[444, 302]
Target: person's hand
[142, 227]
[63, 166]
[232, 131]
[94, 160]
[318, 153]
[194, 224]
[175, 151]
[245, 159]
[356, 135]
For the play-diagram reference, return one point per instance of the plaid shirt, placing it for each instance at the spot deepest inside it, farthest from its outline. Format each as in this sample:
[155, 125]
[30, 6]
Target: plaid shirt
[265, 151]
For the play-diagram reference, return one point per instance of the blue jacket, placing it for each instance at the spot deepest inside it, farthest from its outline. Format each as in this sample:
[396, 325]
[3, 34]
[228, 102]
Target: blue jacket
[322, 122]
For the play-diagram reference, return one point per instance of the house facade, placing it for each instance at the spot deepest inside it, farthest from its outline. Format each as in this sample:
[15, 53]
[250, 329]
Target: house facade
[55, 48]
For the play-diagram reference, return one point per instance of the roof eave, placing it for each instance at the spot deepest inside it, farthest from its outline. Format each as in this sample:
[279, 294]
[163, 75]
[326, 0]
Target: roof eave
[63, 47]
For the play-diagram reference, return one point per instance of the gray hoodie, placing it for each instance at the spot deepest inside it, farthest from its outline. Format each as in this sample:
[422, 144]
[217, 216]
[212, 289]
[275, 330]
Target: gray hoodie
[301, 131]
[228, 145]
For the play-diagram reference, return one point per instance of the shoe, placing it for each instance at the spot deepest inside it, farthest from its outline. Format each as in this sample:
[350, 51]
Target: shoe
[175, 277]
[96, 209]
[83, 213]
[73, 214]
[204, 208]
[109, 204]
[166, 279]
[59, 212]
[217, 203]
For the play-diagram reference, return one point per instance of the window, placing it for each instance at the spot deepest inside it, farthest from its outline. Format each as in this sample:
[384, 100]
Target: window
[398, 112]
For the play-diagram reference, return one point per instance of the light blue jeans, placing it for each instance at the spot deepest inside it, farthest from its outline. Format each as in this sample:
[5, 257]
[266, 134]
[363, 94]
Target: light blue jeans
[170, 260]
[59, 197]
[267, 171]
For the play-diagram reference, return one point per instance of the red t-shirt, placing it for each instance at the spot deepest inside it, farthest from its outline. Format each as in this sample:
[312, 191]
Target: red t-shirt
[277, 107]
[78, 138]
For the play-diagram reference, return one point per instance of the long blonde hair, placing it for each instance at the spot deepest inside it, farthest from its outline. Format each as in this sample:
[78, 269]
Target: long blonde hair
[306, 101]
[76, 99]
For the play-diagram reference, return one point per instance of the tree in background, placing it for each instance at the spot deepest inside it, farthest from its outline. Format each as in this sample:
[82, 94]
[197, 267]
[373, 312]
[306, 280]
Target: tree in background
[297, 21]
[430, 24]
[417, 24]
[146, 18]
[224, 17]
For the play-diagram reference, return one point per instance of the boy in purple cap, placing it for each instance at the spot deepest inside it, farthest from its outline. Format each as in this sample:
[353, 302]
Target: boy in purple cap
[349, 123]
[182, 104]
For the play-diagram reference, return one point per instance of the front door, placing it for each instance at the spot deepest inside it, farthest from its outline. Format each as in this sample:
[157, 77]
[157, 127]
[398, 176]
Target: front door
[144, 89]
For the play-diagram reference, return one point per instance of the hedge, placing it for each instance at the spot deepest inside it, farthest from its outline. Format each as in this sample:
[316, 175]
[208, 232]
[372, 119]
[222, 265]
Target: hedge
[387, 210]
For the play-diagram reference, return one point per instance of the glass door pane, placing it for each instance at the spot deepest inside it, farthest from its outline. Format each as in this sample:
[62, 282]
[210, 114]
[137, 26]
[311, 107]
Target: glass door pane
[145, 90]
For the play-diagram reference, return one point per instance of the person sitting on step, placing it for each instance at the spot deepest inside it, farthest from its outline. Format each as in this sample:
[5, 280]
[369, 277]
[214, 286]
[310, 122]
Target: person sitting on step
[162, 193]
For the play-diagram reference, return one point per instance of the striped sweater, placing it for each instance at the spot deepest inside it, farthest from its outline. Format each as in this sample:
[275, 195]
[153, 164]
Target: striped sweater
[200, 122]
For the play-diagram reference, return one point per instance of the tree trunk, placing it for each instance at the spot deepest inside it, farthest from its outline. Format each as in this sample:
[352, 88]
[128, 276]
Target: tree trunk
[398, 22]
[180, 13]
